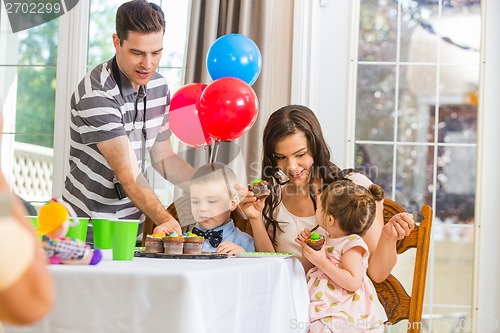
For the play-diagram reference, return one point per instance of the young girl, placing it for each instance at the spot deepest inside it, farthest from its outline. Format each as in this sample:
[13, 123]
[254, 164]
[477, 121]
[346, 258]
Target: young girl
[343, 298]
[293, 143]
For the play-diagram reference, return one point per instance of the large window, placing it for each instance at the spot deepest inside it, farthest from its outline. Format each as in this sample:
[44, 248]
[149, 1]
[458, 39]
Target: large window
[415, 130]
[28, 85]
[28, 61]
[397, 95]
[101, 27]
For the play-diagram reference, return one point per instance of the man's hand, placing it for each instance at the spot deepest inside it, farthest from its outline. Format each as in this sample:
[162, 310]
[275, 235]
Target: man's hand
[168, 227]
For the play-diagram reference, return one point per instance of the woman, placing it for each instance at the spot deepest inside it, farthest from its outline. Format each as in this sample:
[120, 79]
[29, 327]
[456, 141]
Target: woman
[293, 143]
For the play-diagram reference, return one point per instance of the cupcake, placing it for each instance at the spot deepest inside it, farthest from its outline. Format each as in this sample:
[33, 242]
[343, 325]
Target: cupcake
[173, 244]
[315, 241]
[259, 187]
[154, 243]
[193, 243]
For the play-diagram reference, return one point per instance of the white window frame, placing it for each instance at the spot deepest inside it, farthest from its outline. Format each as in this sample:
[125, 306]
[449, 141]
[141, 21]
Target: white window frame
[71, 68]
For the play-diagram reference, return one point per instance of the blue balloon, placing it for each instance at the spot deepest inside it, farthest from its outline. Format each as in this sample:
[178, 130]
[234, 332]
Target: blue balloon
[234, 55]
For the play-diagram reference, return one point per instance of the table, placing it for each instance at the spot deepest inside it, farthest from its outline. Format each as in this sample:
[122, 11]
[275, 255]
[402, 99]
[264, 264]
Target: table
[178, 295]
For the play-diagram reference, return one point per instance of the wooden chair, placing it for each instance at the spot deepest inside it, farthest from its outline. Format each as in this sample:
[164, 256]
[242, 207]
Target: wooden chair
[391, 293]
[180, 209]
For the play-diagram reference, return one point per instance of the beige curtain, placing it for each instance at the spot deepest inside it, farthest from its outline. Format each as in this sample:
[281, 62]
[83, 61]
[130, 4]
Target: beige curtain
[269, 23]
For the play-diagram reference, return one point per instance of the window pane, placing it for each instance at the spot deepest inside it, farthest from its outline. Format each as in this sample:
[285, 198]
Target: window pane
[416, 98]
[376, 162]
[36, 105]
[176, 17]
[378, 30]
[457, 81]
[457, 124]
[35, 46]
[414, 176]
[459, 28]
[452, 281]
[173, 77]
[101, 29]
[375, 102]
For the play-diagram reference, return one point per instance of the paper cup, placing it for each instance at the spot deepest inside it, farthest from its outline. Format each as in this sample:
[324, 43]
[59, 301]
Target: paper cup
[102, 233]
[123, 236]
[33, 220]
[79, 231]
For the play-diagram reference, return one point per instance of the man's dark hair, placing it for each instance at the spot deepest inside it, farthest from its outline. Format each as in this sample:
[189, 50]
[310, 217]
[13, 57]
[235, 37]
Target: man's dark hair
[138, 16]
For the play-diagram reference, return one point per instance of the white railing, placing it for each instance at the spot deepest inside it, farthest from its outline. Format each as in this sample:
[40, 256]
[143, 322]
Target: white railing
[32, 172]
[32, 175]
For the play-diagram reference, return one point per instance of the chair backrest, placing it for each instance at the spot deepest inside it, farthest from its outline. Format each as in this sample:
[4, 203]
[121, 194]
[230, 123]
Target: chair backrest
[180, 209]
[397, 303]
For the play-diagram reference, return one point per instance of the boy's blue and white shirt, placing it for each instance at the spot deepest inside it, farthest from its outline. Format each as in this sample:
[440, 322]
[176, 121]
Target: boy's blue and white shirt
[230, 233]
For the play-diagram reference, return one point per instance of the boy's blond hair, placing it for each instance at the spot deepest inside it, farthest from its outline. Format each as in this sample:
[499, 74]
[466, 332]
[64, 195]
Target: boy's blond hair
[216, 172]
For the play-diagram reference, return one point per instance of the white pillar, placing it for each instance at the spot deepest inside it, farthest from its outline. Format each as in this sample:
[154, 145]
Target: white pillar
[71, 68]
[487, 263]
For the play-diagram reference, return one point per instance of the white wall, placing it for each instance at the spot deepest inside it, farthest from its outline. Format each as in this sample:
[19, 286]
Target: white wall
[488, 177]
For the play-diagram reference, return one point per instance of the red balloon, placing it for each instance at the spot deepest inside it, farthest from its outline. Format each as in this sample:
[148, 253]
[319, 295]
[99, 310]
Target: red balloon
[228, 108]
[184, 119]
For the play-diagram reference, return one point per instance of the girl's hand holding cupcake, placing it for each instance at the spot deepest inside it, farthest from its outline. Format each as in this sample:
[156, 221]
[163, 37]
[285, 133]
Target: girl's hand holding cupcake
[317, 258]
[303, 236]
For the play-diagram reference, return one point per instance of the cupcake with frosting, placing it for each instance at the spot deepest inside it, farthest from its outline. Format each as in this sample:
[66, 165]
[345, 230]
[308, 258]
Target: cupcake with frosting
[316, 241]
[193, 243]
[173, 243]
[259, 187]
[154, 243]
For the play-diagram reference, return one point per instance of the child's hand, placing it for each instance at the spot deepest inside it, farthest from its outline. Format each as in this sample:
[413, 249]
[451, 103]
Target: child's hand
[229, 248]
[317, 258]
[303, 236]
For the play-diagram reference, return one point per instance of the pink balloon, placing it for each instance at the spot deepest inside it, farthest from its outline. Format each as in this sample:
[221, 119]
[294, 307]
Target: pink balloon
[228, 108]
[184, 118]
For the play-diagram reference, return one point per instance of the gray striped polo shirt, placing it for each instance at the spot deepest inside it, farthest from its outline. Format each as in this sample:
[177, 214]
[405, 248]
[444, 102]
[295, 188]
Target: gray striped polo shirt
[101, 111]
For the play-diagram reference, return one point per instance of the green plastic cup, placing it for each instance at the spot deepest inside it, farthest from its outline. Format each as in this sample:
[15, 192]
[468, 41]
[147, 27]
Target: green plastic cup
[123, 236]
[79, 231]
[33, 220]
[102, 233]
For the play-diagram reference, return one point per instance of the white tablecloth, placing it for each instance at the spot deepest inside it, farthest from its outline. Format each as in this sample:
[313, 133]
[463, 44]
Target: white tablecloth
[233, 295]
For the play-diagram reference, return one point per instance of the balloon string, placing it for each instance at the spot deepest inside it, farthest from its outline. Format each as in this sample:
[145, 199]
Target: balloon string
[209, 153]
[211, 150]
[216, 150]
[207, 150]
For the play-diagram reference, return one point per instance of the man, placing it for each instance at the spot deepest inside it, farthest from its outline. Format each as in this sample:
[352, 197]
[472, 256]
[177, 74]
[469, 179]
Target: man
[118, 117]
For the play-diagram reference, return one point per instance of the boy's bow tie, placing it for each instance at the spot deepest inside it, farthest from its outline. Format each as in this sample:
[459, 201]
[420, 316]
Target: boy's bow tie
[214, 237]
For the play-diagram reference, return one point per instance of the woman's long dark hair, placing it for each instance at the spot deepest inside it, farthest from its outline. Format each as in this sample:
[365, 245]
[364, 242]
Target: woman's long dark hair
[286, 121]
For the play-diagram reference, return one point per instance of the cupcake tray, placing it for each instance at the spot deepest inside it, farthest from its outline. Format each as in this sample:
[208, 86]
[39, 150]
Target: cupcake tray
[180, 256]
